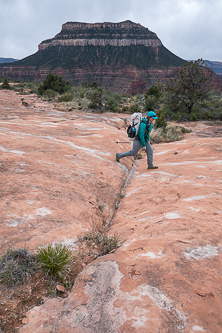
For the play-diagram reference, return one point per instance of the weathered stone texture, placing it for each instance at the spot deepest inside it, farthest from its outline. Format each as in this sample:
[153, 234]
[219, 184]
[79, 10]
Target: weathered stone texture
[49, 180]
[57, 168]
[102, 34]
[101, 42]
[166, 275]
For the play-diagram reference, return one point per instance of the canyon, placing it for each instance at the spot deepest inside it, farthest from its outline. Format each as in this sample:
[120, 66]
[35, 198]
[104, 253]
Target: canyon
[58, 169]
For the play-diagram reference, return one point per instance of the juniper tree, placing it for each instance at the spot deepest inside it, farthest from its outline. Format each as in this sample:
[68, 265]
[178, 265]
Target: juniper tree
[190, 87]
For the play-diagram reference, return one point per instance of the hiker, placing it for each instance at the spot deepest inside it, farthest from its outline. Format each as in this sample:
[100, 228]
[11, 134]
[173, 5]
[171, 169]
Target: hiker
[142, 140]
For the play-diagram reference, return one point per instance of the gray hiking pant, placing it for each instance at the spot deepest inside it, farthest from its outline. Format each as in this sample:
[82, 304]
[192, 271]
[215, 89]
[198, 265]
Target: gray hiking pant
[136, 147]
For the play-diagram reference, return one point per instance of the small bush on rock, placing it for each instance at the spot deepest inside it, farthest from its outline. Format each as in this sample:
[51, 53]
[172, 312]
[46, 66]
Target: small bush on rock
[104, 242]
[16, 266]
[50, 94]
[168, 134]
[67, 97]
[134, 108]
[55, 259]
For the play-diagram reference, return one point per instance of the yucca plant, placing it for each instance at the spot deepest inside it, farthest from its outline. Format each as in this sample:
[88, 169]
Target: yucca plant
[55, 259]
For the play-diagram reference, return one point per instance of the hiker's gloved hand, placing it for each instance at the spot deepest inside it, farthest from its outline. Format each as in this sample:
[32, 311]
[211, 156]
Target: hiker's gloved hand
[144, 148]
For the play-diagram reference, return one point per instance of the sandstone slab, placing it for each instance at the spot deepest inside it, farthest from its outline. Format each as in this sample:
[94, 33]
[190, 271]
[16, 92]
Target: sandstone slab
[58, 174]
[166, 276]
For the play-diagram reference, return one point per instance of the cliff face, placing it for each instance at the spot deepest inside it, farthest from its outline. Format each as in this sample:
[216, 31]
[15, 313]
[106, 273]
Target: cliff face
[102, 34]
[216, 66]
[125, 57]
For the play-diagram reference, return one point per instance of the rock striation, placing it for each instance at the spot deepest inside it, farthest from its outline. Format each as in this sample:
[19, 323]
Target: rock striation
[124, 56]
[102, 34]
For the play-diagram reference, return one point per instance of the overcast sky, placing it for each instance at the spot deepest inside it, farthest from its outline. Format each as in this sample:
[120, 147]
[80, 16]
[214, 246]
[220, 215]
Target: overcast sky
[191, 29]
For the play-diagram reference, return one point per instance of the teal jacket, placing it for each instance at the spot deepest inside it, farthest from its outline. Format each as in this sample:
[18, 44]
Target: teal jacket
[144, 132]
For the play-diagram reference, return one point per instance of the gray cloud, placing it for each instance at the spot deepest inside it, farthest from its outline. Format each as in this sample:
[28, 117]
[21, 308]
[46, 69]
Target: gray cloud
[188, 28]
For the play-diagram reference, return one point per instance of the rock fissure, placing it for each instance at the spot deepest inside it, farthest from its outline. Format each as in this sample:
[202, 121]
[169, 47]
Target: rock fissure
[166, 276]
[128, 180]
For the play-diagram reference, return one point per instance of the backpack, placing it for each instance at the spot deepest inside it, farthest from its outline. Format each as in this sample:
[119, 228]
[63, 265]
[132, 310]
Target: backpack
[133, 128]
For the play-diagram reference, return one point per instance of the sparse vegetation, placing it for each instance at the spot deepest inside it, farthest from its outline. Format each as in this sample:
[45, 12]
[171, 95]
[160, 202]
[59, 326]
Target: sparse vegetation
[134, 108]
[199, 101]
[168, 134]
[25, 88]
[49, 95]
[99, 239]
[16, 266]
[67, 97]
[5, 84]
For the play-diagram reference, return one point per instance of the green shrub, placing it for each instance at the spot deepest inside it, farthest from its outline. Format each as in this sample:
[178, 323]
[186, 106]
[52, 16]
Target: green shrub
[94, 85]
[67, 97]
[153, 91]
[150, 103]
[16, 266]
[193, 116]
[161, 120]
[55, 83]
[96, 98]
[26, 88]
[82, 94]
[196, 109]
[185, 130]
[50, 94]
[208, 115]
[113, 105]
[5, 84]
[177, 116]
[168, 113]
[134, 108]
[55, 259]
[34, 89]
[125, 108]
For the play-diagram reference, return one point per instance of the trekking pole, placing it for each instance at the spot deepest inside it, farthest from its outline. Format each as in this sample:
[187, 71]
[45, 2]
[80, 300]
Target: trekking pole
[122, 142]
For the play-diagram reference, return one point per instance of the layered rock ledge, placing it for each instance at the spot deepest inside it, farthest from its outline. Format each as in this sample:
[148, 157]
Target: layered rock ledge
[102, 34]
[101, 42]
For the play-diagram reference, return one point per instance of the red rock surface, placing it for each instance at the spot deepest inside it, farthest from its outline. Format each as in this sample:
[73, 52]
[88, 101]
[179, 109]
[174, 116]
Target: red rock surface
[58, 174]
[166, 276]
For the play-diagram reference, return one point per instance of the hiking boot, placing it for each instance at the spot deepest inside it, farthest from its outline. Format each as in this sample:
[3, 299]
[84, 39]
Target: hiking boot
[117, 158]
[152, 167]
